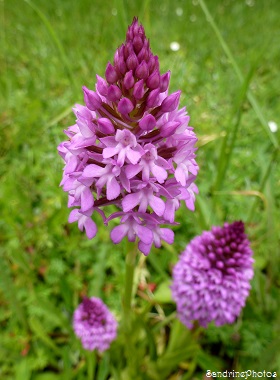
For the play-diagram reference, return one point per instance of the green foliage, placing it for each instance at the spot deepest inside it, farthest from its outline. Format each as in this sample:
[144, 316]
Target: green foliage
[227, 68]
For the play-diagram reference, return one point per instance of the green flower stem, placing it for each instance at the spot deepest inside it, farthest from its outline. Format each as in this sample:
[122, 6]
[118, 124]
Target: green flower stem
[91, 364]
[266, 175]
[127, 309]
[129, 276]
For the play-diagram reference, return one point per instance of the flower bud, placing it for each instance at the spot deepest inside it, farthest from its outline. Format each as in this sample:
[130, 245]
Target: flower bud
[137, 44]
[147, 123]
[128, 80]
[92, 99]
[132, 61]
[125, 106]
[164, 81]
[169, 128]
[151, 64]
[114, 93]
[143, 54]
[138, 91]
[142, 71]
[152, 100]
[121, 65]
[171, 102]
[153, 80]
[101, 86]
[105, 125]
[111, 74]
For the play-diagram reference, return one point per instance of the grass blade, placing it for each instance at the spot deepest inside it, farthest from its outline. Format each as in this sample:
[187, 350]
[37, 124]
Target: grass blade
[230, 138]
[250, 96]
[55, 40]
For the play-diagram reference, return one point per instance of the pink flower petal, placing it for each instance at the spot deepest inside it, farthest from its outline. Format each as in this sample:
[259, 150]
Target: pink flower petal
[144, 248]
[109, 152]
[74, 216]
[167, 235]
[93, 171]
[132, 170]
[118, 233]
[113, 189]
[86, 199]
[90, 228]
[133, 156]
[159, 173]
[71, 165]
[157, 205]
[144, 234]
[130, 201]
[180, 175]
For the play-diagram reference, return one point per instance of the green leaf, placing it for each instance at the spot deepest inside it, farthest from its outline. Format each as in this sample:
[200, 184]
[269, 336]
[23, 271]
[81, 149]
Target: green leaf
[207, 361]
[163, 293]
[46, 376]
[103, 368]
[182, 346]
[38, 329]
[22, 370]
[179, 336]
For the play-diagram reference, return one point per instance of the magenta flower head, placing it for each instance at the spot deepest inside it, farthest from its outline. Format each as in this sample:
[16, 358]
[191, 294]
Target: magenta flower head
[94, 324]
[211, 278]
[131, 147]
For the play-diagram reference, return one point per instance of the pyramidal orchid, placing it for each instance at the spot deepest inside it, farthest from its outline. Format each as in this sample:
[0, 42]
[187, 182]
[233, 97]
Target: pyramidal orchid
[211, 280]
[131, 147]
[94, 324]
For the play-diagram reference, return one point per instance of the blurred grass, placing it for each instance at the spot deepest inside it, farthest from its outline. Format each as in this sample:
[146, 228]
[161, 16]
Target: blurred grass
[48, 51]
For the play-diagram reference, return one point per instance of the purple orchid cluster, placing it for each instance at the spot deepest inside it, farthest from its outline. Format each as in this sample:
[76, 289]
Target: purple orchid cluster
[94, 324]
[130, 147]
[211, 280]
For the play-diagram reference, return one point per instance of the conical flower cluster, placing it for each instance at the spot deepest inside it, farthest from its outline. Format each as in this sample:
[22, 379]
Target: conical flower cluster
[94, 324]
[211, 278]
[132, 147]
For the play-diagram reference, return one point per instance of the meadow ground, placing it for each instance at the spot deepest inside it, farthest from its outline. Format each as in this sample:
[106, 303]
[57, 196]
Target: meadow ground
[226, 63]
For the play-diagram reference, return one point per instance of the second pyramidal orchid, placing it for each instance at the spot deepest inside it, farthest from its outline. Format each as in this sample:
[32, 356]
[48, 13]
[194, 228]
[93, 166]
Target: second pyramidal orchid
[131, 147]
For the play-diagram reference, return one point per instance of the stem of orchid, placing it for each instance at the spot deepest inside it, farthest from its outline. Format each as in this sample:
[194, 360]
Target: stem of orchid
[127, 310]
[129, 275]
[91, 364]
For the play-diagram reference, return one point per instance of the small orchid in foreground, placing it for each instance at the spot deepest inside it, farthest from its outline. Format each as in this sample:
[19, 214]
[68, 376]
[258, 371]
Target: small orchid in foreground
[94, 324]
[132, 147]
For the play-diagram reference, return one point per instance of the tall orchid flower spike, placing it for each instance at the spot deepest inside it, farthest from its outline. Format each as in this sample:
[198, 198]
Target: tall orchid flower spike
[132, 147]
[211, 280]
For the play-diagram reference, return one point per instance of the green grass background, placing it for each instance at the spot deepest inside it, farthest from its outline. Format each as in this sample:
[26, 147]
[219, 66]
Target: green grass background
[48, 50]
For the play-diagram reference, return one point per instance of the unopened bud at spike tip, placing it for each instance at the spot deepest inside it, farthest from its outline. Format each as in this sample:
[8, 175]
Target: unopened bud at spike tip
[132, 61]
[142, 71]
[101, 86]
[147, 123]
[152, 100]
[169, 128]
[170, 103]
[92, 99]
[114, 93]
[137, 44]
[164, 81]
[125, 106]
[153, 81]
[105, 125]
[138, 91]
[111, 74]
[128, 80]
